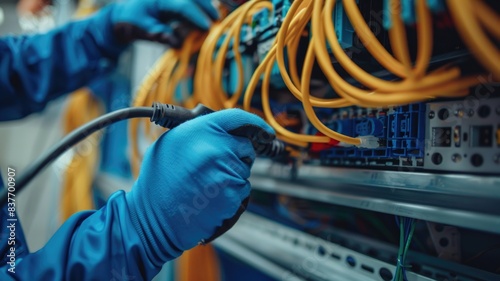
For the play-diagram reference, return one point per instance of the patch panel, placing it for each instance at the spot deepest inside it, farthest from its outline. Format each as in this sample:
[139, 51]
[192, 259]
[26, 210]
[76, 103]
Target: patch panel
[437, 136]
[464, 136]
[401, 131]
[407, 138]
[270, 24]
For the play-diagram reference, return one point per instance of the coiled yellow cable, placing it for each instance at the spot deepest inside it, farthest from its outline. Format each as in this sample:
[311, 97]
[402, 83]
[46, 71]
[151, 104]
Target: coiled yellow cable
[467, 20]
[76, 193]
[416, 83]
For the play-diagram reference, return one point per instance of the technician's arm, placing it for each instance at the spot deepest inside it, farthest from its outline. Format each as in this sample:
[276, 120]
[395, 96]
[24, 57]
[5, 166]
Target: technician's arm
[192, 187]
[39, 68]
[92, 245]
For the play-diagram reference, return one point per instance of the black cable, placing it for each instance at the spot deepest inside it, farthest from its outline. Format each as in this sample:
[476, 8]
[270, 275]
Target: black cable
[73, 138]
[165, 115]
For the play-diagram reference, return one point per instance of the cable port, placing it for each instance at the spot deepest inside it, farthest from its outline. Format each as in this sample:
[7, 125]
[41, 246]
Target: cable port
[441, 137]
[369, 142]
[482, 136]
[457, 136]
[498, 136]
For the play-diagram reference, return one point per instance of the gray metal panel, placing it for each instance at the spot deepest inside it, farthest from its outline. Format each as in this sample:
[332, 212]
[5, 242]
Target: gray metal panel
[457, 156]
[454, 184]
[422, 196]
[299, 252]
[251, 258]
[470, 219]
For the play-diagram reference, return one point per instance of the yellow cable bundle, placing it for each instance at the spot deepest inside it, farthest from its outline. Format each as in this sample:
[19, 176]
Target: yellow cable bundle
[208, 77]
[82, 107]
[234, 33]
[77, 183]
[159, 85]
[202, 258]
[416, 84]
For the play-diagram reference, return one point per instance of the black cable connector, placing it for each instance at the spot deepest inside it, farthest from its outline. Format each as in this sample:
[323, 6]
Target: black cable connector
[170, 116]
[165, 115]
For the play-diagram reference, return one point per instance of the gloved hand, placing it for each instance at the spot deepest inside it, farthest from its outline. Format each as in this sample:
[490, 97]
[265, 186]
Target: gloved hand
[164, 21]
[193, 184]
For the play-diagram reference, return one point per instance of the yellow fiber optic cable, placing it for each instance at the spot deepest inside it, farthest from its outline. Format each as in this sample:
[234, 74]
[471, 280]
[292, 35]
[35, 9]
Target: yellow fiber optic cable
[306, 74]
[141, 98]
[76, 193]
[82, 107]
[473, 35]
[278, 52]
[203, 79]
[235, 34]
[371, 42]
[180, 70]
[401, 95]
[398, 38]
[424, 38]
[488, 18]
[371, 81]
[269, 115]
[283, 134]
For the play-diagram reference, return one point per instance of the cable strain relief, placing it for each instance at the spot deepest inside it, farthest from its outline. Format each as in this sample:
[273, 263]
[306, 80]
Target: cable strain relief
[161, 116]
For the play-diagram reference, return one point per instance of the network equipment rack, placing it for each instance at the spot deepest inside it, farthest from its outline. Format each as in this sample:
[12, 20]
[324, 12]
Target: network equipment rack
[437, 160]
[401, 131]
[453, 136]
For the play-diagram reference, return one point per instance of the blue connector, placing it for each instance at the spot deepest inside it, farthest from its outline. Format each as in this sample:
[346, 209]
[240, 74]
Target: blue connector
[343, 126]
[184, 90]
[408, 14]
[343, 27]
[408, 11]
[248, 69]
[436, 6]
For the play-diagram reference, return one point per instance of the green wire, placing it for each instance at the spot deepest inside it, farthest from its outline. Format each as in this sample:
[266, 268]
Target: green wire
[410, 236]
[403, 248]
[400, 251]
[408, 242]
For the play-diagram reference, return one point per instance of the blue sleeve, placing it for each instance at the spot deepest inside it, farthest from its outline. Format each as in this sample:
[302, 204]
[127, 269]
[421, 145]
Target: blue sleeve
[39, 68]
[91, 245]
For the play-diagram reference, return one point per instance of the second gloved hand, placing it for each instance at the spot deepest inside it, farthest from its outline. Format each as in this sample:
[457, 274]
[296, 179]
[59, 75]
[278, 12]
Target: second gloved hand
[193, 184]
[156, 20]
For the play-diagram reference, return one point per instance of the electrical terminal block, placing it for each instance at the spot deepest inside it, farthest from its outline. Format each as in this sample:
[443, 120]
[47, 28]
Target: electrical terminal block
[369, 142]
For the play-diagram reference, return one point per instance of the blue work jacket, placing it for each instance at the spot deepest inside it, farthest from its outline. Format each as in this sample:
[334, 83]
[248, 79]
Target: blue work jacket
[91, 245]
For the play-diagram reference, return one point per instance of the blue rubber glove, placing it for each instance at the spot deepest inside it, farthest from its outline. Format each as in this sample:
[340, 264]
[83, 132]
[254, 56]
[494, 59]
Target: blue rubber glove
[160, 20]
[193, 184]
